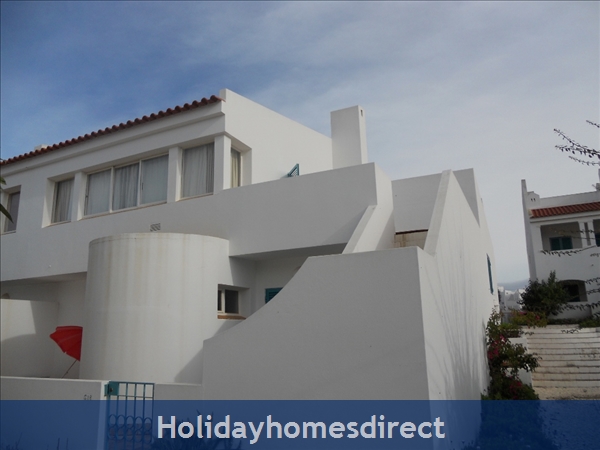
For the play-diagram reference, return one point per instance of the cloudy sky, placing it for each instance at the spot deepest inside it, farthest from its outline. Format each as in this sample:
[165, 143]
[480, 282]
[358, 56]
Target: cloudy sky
[444, 85]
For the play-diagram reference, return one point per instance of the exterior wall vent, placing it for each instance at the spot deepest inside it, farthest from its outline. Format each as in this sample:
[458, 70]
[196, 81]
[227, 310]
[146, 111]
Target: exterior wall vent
[155, 227]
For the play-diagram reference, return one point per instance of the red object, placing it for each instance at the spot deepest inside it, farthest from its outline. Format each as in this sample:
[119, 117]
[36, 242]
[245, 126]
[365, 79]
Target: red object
[68, 339]
[567, 209]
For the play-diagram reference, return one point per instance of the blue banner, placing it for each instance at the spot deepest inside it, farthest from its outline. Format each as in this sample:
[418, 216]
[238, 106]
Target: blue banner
[123, 424]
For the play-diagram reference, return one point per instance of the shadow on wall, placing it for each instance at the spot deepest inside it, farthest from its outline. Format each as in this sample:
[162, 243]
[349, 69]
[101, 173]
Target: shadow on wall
[26, 347]
[194, 368]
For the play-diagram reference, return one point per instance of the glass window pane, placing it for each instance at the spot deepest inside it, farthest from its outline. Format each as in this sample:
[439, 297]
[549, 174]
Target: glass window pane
[125, 189]
[62, 201]
[231, 302]
[198, 171]
[13, 210]
[98, 192]
[154, 179]
[236, 159]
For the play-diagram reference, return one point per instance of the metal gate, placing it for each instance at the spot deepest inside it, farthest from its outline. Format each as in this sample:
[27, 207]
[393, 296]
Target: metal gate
[129, 409]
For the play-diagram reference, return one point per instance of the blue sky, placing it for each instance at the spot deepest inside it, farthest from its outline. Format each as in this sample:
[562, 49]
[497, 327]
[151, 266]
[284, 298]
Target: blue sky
[444, 85]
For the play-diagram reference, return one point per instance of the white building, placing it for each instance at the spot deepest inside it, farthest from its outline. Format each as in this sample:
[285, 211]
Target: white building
[168, 237]
[563, 235]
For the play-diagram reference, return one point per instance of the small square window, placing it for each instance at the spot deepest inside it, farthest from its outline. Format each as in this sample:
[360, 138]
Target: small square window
[228, 301]
[13, 209]
[63, 193]
[270, 293]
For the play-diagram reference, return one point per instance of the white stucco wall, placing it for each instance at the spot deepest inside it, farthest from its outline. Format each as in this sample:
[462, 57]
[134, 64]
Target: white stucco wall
[26, 348]
[275, 142]
[349, 137]
[414, 199]
[345, 327]
[150, 303]
[255, 219]
[456, 296]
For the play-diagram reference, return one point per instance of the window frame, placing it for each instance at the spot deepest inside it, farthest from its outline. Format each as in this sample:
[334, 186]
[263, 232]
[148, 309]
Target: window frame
[223, 312]
[69, 214]
[209, 168]
[561, 240]
[14, 214]
[236, 158]
[139, 185]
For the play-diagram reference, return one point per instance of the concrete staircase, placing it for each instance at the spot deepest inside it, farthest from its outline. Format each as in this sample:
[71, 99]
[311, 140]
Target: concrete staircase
[569, 361]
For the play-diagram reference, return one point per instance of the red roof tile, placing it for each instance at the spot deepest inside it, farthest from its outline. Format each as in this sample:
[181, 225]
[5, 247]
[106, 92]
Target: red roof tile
[130, 123]
[567, 209]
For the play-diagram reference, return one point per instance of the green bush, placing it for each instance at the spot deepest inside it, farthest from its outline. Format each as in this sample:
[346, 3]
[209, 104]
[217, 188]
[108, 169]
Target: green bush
[547, 297]
[528, 319]
[505, 359]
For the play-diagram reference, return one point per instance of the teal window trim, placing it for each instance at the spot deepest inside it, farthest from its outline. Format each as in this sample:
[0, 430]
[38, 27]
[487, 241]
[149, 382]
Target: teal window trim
[270, 293]
[489, 263]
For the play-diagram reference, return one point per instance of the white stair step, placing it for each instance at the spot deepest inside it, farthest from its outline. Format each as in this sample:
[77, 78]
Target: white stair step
[583, 340]
[568, 370]
[570, 384]
[591, 352]
[546, 362]
[537, 376]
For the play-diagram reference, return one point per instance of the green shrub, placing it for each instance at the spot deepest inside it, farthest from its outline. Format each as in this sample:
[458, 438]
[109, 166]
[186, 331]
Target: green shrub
[505, 359]
[528, 319]
[547, 297]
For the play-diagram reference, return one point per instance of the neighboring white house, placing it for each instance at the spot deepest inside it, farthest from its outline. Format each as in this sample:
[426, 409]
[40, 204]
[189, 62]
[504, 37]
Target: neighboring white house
[563, 235]
[222, 245]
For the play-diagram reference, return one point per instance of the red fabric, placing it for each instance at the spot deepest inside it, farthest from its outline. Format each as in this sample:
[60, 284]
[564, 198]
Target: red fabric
[68, 339]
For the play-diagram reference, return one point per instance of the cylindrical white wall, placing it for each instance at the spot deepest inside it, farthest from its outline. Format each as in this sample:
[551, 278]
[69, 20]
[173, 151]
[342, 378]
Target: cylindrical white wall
[150, 303]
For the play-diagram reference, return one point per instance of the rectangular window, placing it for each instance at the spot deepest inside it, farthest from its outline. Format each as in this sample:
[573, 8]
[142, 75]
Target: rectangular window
[228, 301]
[125, 186]
[236, 166]
[561, 243]
[135, 184]
[13, 209]
[597, 239]
[98, 192]
[198, 171]
[154, 179]
[63, 191]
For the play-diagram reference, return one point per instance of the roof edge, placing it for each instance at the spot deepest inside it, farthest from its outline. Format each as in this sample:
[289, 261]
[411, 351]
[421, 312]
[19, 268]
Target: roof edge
[122, 126]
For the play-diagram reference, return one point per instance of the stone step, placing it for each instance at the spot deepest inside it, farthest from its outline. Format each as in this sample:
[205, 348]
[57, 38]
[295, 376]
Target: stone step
[567, 339]
[554, 393]
[559, 329]
[539, 376]
[575, 351]
[582, 363]
[573, 348]
[569, 384]
[566, 370]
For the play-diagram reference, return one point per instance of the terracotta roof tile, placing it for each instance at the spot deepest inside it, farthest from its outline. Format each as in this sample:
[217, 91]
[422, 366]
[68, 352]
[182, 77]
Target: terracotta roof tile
[567, 209]
[130, 123]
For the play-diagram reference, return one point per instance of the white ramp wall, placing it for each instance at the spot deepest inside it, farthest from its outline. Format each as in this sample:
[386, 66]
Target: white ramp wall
[345, 327]
[457, 301]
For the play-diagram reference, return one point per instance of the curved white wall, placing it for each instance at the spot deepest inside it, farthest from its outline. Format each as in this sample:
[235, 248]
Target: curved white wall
[150, 303]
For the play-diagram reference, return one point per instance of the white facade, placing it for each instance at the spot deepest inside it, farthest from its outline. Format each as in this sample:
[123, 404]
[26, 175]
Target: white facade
[563, 235]
[164, 240]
